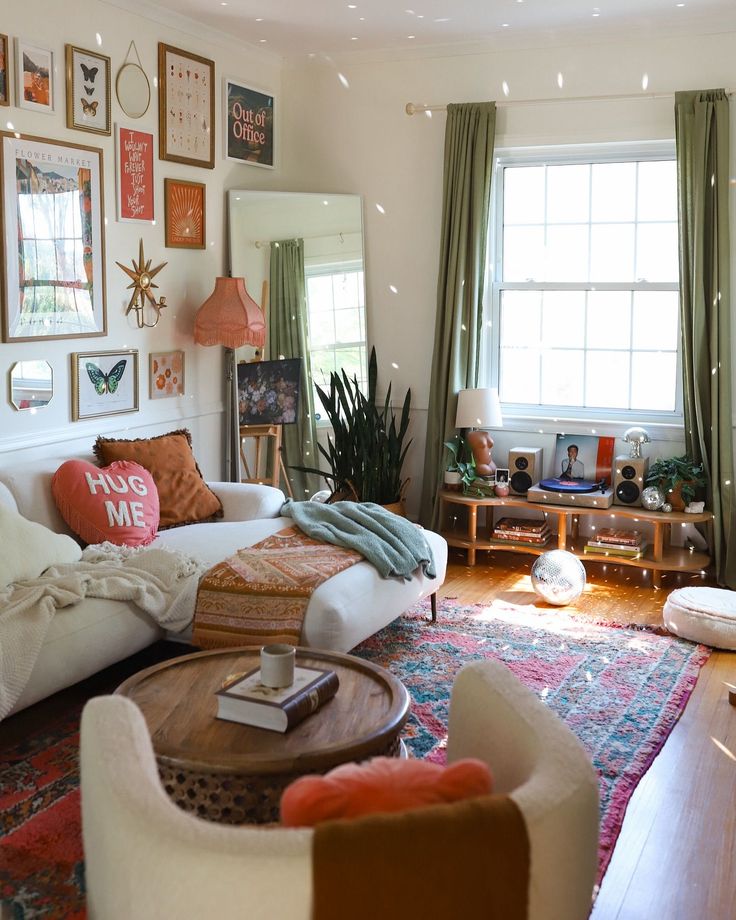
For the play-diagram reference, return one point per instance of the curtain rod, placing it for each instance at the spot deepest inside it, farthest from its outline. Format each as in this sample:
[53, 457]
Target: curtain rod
[413, 108]
[261, 244]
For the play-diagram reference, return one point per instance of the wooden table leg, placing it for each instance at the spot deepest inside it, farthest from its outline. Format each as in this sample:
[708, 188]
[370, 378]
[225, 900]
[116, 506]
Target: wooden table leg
[561, 531]
[472, 531]
[433, 602]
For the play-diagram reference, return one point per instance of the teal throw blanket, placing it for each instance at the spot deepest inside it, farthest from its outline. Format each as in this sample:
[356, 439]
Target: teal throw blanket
[395, 546]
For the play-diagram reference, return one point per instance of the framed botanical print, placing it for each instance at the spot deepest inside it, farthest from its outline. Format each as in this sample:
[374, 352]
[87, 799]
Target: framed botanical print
[184, 212]
[104, 383]
[134, 174]
[53, 249]
[34, 77]
[249, 124]
[4, 71]
[87, 90]
[166, 374]
[186, 107]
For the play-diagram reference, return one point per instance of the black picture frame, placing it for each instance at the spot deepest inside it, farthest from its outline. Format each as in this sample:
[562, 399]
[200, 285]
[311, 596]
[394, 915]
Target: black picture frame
[268, 392]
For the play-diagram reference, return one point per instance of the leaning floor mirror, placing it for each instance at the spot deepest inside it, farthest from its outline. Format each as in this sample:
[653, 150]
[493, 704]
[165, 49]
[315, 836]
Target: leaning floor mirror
[308, 249]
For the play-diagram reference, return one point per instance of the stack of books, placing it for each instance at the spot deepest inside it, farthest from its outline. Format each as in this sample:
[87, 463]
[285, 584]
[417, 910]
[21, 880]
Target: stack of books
[521, 532]
[245, 699]
[608, 541]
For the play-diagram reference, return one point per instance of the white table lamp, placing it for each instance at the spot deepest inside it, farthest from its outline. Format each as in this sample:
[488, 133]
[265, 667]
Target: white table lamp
[479, 408]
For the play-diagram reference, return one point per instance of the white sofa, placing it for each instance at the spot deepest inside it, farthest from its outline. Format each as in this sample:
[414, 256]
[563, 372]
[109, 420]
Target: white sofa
[145, 858]
[96, 633]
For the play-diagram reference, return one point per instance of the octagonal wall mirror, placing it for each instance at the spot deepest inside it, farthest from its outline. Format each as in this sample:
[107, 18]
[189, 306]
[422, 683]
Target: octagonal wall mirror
[31, 384]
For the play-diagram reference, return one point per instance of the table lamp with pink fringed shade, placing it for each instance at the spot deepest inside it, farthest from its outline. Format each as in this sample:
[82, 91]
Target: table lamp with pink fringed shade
[231, 317]
[478, 409]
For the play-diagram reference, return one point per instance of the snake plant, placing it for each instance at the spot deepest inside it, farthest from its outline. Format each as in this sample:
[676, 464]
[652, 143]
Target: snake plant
[366, 451]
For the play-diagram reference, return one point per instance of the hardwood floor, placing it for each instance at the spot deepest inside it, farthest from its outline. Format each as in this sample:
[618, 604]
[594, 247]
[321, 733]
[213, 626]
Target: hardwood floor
[676, 856]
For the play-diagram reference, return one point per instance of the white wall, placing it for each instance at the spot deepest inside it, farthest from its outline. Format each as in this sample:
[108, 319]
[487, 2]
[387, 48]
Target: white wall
[189, 275]
[359, 139]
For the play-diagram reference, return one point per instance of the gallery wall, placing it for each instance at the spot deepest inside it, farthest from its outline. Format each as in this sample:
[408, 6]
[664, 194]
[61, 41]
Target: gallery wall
[189, 276]
[347, 118]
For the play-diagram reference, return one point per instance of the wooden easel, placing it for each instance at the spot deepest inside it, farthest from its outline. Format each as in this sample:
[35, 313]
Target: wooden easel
[272, 433]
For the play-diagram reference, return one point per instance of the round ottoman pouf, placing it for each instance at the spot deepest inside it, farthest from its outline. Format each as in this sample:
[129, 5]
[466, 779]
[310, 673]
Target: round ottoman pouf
[558, 577]
[706, 615]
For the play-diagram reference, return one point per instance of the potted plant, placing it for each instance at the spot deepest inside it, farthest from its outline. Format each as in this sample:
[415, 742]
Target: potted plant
[678, 478]
[367, 449]
[460, 471]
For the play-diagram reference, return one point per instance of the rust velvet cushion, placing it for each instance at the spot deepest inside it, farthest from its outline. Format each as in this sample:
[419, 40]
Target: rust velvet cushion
[184, 497]
[384, 784]
[118, 503]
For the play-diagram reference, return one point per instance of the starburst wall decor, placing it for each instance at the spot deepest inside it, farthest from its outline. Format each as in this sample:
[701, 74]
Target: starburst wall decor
[142, 276]
[185, 214]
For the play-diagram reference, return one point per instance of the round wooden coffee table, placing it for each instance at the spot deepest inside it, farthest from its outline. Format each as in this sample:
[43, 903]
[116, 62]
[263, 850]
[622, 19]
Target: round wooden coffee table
[225, 771]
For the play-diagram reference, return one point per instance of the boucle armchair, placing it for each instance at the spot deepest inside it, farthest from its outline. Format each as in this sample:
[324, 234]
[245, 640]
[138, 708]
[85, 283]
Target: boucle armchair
[145, 858]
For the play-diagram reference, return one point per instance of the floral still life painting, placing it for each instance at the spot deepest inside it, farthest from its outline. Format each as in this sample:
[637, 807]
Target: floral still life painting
[268, 392]
[166, 374]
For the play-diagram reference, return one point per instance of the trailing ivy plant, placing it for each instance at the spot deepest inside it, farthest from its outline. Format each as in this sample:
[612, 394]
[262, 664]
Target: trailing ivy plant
[366, 451]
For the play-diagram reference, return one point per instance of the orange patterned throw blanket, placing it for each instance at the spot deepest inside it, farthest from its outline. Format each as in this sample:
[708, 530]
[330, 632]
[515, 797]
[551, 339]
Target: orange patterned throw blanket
[260, 594]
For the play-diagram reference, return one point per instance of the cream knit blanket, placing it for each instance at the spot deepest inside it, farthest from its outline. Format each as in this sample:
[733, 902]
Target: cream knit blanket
[159, 582]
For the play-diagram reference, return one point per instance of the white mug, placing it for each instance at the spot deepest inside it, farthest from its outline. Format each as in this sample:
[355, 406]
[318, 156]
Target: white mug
[277, 665]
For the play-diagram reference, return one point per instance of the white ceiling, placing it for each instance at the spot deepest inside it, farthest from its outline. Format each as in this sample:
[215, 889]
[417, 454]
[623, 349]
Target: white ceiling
[294, 28]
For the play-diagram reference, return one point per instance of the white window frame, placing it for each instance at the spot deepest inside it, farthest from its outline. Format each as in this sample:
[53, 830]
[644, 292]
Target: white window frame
[580, 419]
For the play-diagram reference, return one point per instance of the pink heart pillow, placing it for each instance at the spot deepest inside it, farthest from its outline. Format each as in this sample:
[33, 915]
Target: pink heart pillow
[118, 502]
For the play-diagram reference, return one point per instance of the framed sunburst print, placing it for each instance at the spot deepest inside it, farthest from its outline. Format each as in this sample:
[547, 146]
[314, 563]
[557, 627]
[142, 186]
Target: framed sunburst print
[184, 210]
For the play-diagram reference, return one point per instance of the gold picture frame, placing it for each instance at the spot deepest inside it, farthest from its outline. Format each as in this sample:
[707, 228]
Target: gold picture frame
[186, 107]
[88, 91]
[166, 374]
[103, 383]
[70, 303]
[4, 70]
[185, 214]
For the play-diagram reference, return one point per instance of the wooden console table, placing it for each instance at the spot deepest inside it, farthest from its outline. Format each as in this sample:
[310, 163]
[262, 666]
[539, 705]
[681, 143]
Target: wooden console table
[660, 556]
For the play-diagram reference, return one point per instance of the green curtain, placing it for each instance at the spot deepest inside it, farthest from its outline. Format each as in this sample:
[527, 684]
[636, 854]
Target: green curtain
[469, 138]
[289, 339]
[702, 133]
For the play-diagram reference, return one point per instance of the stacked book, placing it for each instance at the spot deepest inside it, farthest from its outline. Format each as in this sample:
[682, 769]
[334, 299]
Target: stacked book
[608, 541]
[245, 699]
[520, 532]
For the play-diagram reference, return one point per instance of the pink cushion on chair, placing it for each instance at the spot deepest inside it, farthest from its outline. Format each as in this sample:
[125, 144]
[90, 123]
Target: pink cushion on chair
[118, 502]
[384, 784]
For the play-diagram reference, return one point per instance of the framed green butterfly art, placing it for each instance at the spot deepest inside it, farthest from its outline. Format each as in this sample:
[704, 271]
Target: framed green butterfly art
[104, 383]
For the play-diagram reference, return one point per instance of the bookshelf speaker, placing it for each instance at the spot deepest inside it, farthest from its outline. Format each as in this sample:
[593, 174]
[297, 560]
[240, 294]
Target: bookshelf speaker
[525, 468]
[629, 474]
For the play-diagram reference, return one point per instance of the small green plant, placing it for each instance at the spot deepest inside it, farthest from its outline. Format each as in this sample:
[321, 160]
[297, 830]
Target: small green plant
[667, 474]
[462, 461]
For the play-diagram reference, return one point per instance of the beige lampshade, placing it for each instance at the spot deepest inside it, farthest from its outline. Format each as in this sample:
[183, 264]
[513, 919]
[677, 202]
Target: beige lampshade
[230, 317]
[478, 409]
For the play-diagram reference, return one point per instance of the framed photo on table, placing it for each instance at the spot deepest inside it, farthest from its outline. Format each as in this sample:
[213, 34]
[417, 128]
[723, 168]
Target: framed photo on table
[34, 77]
[4, 70]
[186, 107]
[184, 213]
[87, 90]
[53, 203]
[249, 124]
[104, 383]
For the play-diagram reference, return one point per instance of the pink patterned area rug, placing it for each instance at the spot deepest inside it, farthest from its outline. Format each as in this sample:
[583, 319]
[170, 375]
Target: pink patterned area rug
[620, 690]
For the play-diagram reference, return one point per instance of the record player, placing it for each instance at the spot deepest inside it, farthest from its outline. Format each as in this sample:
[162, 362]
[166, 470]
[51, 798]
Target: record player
[581, 492]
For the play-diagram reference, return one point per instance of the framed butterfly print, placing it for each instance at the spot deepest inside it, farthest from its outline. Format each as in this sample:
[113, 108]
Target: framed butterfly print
[52, 257]
[87, 90]
[186, 107]
[104, 383]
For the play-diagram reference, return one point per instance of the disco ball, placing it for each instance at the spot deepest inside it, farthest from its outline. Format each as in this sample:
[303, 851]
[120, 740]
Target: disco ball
[652, 498]
[558, 577]
[322, 496]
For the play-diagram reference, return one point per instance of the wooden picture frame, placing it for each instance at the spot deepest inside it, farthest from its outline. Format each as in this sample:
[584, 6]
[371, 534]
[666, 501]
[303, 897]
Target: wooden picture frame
[104, 383]
[134, 175]
[186, 107]
[71, 302]
[4, 70]
[34, 77]
[185, 210]
[88, 91]
[249, 124]
[166, 374]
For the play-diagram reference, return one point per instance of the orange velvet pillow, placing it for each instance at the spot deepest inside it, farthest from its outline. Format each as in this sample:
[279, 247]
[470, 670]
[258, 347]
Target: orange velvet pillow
[384, 784]
[184, 497]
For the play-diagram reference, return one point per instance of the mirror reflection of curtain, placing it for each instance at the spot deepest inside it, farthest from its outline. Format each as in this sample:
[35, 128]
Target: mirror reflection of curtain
[288, 337]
